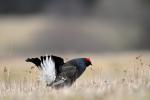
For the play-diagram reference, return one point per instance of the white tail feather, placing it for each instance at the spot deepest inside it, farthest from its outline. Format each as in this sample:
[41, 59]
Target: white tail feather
[48, 72]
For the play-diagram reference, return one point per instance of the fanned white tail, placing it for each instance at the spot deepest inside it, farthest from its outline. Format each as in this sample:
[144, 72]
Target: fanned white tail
[48, 70]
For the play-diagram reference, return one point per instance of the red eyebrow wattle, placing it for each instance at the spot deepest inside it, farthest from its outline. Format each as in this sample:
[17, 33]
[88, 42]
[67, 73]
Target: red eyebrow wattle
[88, 59]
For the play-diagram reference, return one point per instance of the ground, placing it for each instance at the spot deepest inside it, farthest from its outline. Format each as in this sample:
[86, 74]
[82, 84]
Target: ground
[119, 76]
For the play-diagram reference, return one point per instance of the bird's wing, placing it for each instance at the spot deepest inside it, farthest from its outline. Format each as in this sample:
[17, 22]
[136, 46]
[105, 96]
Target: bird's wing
[66, 77]
[68, 71]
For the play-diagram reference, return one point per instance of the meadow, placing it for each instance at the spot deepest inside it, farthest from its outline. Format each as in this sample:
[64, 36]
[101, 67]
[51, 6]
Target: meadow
[118, 76]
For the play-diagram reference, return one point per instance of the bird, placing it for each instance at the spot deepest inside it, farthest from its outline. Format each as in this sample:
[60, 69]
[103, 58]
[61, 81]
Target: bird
[56, 73]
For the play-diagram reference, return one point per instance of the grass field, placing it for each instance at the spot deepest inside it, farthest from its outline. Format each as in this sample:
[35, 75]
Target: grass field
[119, 76]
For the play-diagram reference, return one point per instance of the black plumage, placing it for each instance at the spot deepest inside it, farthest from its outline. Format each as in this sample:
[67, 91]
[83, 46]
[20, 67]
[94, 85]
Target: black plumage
[58, 63]
[36, 61]
[66, 73]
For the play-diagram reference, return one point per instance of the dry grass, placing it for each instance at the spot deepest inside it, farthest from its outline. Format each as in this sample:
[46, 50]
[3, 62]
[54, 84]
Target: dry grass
[121, 77]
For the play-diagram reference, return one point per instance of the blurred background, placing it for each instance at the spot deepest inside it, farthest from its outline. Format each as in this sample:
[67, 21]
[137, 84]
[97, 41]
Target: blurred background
[30, 27]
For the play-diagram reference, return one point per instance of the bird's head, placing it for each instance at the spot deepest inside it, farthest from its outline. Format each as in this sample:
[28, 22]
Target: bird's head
[83, 63]
[87, 61]
[80, 63]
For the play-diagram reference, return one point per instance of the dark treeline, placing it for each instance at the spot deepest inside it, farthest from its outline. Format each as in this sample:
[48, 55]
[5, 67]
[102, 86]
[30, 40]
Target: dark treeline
[21, 6]
[31, 6]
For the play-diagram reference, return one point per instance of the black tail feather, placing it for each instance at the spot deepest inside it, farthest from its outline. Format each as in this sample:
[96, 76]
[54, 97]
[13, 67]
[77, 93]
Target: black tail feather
[35, 61]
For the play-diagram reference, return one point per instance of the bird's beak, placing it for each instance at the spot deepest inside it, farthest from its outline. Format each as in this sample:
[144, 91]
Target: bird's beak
[90, 63]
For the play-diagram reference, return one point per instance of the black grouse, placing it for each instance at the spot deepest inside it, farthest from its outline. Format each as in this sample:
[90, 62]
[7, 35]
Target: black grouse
[58, 74]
